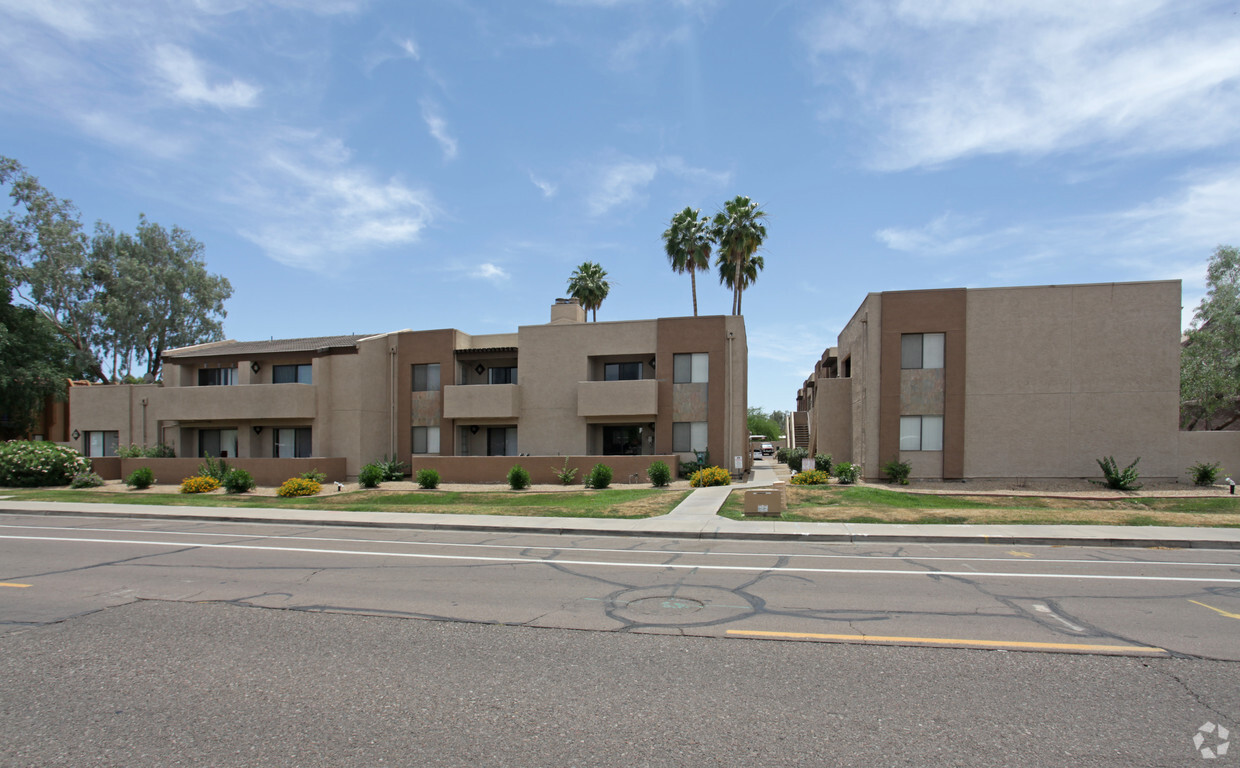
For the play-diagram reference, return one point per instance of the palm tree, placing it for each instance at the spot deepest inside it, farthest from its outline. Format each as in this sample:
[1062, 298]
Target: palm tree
[739, 232]
[589, 286]
[687, 242]
[749, 275]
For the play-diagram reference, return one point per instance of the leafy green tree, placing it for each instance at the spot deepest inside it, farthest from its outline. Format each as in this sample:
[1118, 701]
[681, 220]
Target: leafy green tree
[589, 286]
[157, 293]
[739, 232]
[687, 242]
[1210, 361]
[114, 297]
[761, 423]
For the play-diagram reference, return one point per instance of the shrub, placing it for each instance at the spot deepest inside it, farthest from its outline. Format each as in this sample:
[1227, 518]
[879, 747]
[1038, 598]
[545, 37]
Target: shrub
[298, 486]
[708, 476]
[687, 468]
[393, 468]
[25, 463]
[141, 478]
[315, 475]
[518, 478]
[86, 480]
[781, 454]
[214, 469]
[898, 471]
[428, 478]
[1119, 479]
[812, 477]
[1203, 473]
[237, 480]
[796, 458]
[566, 474]
[599, 477]
[660, 474]
[199, 484]
[370, 476]
[847, 472]
[157, 451]
[822, 462]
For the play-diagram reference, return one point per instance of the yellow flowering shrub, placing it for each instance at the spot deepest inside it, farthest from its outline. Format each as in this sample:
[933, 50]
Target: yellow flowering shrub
[199, 484]
[298, 486]
[812, 477]
[708, 476]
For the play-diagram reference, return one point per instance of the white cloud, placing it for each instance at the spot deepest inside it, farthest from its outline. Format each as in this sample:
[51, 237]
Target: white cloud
[958, 78]
[547, 188]
[438, 128]
[488, 271]
[312, 208]
[184, 72]
[622, 182]
[71, 19]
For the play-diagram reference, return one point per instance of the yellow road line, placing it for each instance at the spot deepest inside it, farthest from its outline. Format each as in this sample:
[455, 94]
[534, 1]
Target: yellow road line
[1218, 610]
[952, 641]
[1014, 553]
[11, 584]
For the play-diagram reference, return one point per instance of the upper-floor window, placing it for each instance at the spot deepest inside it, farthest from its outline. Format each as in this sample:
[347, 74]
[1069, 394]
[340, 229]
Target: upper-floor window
[921, 350]
[691, 368]
[211, 377]
[501, 375]
[426, 377]
[622, 371]
[291, 374]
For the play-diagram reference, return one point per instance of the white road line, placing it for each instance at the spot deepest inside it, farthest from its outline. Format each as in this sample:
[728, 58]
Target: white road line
[604, 564]
[526, 547]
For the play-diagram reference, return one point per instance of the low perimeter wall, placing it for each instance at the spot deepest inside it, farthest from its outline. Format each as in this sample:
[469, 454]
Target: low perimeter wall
[542, 469]
[269, 472]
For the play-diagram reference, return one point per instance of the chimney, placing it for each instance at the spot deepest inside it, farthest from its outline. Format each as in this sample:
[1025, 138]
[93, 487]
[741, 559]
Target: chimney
[567, 311]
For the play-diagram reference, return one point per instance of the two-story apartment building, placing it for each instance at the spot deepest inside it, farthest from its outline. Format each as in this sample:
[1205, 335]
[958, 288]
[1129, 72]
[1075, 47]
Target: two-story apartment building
[661, 387]
[1021, 382]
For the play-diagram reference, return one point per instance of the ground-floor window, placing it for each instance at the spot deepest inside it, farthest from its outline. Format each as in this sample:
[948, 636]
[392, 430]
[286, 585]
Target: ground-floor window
[291, 443]
[688, 436]
[623, 440]
[102, 443]
[217, 443]
[426, 440]
[921, 433]
[501, 441]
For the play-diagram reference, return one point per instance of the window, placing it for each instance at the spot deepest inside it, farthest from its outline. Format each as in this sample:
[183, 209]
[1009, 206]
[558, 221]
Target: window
[504, 375]
[921, 433]
[622, 441]
[102, 443]
[622, 371]
[691, 368]
[291, 374]
[921, 350]
[291, 443]
[502, 441]
[848, 367]
[218, 443]
[426, 377]
[425, 440]
[216, 377]
[688, 436]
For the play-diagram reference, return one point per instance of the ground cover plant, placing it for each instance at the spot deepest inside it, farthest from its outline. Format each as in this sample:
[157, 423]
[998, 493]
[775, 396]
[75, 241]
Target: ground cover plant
[612, 502]
[1204, 473]
[867, 504]
[238, 480]
[370, 476]
[199, 484]
[298, 486]
[518, 478]
[709, 476]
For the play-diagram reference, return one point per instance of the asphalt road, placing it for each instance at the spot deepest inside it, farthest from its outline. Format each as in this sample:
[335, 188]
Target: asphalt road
[141, 643]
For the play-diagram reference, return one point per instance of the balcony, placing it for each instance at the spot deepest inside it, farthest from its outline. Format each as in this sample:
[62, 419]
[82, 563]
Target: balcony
[617, 398]
[481, 401]
[250, 401]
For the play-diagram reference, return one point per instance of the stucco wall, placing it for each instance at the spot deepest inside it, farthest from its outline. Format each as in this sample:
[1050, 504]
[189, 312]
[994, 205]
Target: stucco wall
[542, 469]
[1059, 376]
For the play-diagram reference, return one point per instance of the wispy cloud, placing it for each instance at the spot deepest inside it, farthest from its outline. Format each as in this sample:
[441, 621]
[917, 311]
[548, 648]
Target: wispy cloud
[625, 181]
[489, 271]
[547, 188]
[185, 74]
[438, 128]
[959, 78]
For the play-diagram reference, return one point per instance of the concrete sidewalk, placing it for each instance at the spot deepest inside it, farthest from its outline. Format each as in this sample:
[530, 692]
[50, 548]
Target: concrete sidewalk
[694, 518]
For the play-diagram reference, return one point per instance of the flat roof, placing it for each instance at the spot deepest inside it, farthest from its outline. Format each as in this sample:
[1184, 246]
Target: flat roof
[230, 347]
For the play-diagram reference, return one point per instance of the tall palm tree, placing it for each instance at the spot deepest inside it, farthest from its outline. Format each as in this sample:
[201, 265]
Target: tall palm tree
[749, 275]
[589, 286]
[687, 242]
[739, 232]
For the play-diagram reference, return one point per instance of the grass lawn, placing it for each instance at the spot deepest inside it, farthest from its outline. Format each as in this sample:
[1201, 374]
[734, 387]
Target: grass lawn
[867, 504]
[611, 502]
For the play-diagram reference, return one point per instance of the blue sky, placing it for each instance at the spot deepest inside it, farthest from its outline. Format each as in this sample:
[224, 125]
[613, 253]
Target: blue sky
[358, 166]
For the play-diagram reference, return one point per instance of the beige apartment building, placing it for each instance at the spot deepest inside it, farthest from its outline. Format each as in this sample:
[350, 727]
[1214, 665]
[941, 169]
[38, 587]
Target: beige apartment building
[1023, 382]
[643, 389]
